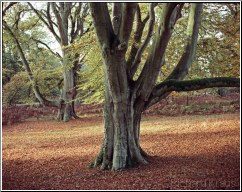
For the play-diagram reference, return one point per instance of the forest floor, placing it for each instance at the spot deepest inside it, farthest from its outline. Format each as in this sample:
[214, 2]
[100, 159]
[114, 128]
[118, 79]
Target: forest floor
[186, 152]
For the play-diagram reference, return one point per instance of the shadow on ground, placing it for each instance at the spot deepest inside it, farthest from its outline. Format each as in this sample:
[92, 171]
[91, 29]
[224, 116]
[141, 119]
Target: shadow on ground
[179, 161]
[192, 152]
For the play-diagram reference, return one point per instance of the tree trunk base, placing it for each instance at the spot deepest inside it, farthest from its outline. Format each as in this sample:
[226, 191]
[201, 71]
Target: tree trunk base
[143, 153]
[104, 163]
[75, 116]
[65, 114]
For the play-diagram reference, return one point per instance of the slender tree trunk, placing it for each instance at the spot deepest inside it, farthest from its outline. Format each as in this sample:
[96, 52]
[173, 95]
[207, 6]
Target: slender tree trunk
[67, 93]
[66, 108]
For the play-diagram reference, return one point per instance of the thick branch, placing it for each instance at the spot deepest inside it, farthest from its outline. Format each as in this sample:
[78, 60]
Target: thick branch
[102, 23]
[74, 21]
[62, 21]
[155, 60]
[189, 85]
[128, 13]
[77, 23]
[80, 27]
[140, 25]
[197, 84]
[117, 16]
[138, 15]
[182, 68]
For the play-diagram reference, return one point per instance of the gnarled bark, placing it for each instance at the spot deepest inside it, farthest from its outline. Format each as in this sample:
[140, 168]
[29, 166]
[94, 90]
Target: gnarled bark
[125, 98]
[121, 148]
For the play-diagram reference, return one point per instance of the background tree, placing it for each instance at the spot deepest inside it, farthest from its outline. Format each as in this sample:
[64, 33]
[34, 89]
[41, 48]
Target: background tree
[129, 92]
[66, 22]
[10, 65]
[91, 88]
[18, 33]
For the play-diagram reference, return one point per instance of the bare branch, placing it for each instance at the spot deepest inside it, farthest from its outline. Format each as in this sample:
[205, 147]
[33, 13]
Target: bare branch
[38, 14]
[78, 21]
[8, 7]
[54, 53]
[48, 17]
[168, 86]
[102, 23]
[17, 19]
[49, 23]
[146, 41]
[182, 68]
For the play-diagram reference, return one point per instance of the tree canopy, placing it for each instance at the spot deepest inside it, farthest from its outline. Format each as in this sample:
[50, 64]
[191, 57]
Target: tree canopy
[218, 37]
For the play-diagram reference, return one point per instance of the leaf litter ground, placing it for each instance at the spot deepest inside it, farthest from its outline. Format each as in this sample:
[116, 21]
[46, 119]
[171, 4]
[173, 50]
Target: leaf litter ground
[186, 152]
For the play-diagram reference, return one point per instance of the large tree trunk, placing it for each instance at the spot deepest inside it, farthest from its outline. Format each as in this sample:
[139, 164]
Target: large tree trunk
[121, 147]
[126, 98]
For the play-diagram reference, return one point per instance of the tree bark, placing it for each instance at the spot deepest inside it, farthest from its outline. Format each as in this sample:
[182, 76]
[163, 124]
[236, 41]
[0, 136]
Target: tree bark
[66, 109]
[164, 88]
[125, 98]
[121, 147]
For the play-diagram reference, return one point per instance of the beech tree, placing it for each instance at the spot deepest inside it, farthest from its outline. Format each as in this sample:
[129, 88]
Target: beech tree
[127, 97]
[13, 29]
[66, 22]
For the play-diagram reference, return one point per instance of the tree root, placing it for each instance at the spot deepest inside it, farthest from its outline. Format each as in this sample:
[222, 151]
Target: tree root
[103, 163]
